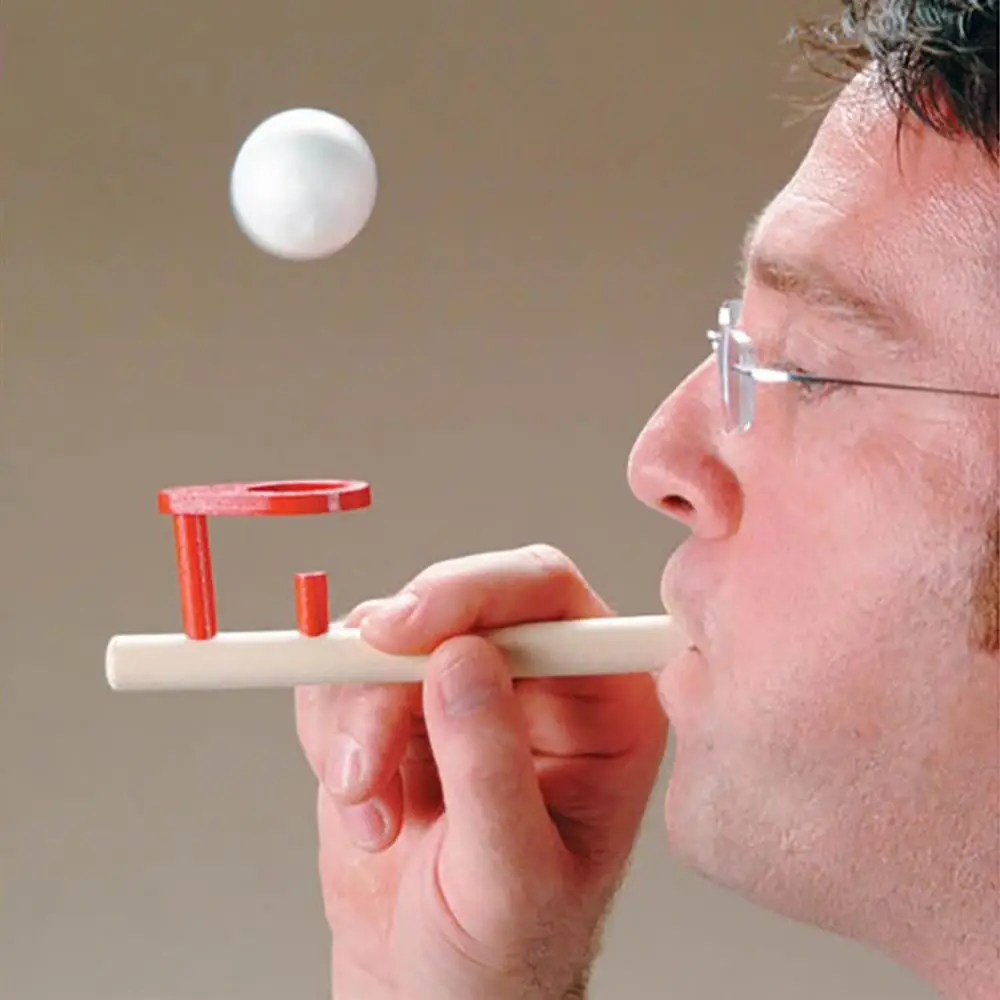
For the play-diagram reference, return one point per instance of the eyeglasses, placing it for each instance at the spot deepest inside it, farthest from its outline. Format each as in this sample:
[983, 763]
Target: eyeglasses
[739, 373]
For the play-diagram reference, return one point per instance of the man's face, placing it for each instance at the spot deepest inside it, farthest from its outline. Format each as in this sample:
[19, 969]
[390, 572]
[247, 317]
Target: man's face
[837, 735]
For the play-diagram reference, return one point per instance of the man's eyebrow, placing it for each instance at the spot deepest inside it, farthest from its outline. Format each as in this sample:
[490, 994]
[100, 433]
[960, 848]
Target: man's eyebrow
[813, 284]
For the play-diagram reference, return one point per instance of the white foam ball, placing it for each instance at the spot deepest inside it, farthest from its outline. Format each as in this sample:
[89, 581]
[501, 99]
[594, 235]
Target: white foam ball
[303, 184]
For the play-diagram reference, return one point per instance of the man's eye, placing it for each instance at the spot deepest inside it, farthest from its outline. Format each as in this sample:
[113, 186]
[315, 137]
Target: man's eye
[808, 382]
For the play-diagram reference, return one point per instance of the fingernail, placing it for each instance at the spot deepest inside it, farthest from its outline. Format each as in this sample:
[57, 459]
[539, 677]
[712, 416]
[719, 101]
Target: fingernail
[467, 685]
[345, 768]
[396, 610]
[366, 824]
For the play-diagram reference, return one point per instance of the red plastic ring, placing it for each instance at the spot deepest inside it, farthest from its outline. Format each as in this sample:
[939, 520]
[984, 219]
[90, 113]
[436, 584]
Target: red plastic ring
[277, 499]
[192, 506]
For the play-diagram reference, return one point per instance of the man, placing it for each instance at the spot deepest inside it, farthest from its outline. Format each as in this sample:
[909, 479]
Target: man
[836, 729]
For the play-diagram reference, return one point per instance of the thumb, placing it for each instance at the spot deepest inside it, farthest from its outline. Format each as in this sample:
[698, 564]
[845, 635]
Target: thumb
[499, 835]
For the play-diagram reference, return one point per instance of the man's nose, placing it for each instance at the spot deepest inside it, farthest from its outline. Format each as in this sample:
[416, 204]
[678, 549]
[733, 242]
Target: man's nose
[674, 466]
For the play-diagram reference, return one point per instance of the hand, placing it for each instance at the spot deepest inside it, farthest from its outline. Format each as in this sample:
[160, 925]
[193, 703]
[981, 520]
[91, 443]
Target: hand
[474, 830]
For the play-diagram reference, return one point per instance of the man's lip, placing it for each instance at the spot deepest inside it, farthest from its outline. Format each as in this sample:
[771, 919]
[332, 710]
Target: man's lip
[684, 594]
[674, 603]
[683, 622]
[676, 668]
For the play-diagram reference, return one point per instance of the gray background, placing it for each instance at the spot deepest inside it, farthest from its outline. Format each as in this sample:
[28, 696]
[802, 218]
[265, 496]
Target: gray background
[563, 189]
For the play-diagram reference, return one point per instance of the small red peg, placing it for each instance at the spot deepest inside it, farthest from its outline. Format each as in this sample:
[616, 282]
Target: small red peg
[312, 603]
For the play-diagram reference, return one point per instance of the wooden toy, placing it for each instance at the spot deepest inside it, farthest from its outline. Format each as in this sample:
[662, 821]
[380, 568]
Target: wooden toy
[201, 657]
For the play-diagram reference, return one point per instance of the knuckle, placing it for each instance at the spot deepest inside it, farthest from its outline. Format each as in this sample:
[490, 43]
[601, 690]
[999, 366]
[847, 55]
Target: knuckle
[313, 753]
[453, 582]
[311, 705]
[437, 573]
[379, 719]
[359, 612]
[553, 562]
[456, 592]
[464, 648]
[363, 706]
[349, 697]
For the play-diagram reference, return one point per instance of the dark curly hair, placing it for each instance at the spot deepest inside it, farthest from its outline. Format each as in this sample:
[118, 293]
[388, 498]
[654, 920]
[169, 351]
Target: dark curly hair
[935, 59]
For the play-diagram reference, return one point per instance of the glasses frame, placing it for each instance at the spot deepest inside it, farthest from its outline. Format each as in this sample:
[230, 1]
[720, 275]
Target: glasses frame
[739, 378]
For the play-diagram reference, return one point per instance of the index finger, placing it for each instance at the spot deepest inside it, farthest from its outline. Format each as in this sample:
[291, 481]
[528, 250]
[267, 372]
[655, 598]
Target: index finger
[482, 591]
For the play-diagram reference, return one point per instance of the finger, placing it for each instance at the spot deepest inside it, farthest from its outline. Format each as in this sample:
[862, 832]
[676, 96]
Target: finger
[374, 824]
[360, 749]
[591, 717]
[314, 704]
[598, 804]
[355, 735]
[534, 583]
[367, 738]
[498, 827]
[359, 612]
[312, 707]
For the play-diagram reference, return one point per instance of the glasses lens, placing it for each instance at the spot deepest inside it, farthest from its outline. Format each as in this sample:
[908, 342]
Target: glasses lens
[736, 359]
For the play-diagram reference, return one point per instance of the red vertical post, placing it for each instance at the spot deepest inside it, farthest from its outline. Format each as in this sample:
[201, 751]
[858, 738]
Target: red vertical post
[194, 574]
[312, 603]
